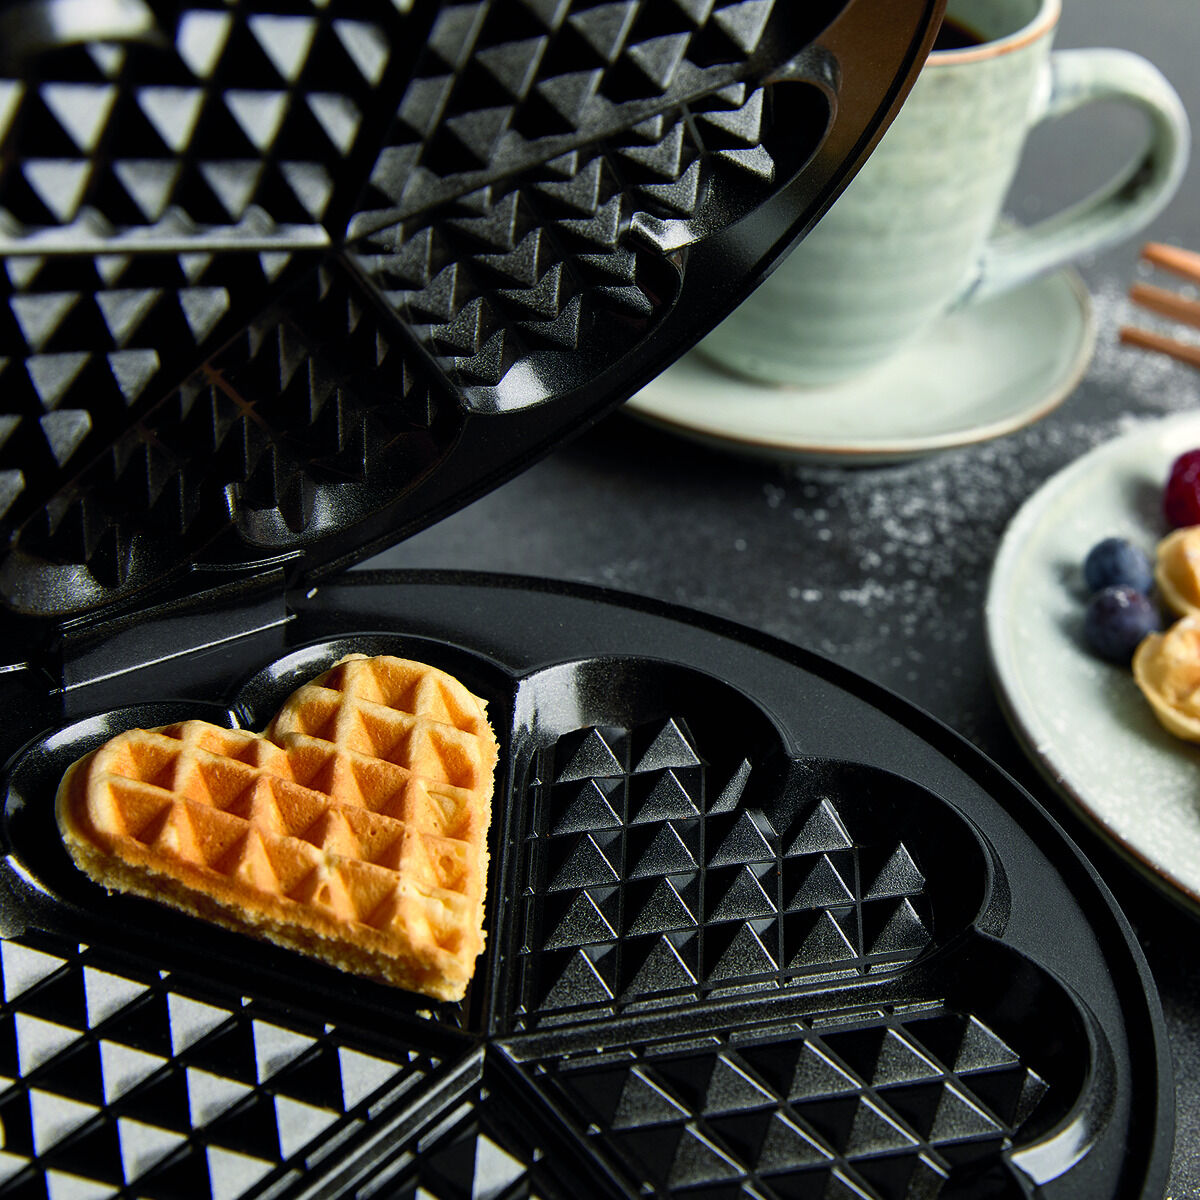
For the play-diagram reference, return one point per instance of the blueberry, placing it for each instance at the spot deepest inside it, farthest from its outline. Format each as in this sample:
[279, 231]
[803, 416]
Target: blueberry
[1115, 562]
[1116, 619]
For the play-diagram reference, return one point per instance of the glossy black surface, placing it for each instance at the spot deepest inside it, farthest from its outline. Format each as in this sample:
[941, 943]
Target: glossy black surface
[753, 923]
[886, 570]
[883, 571]
[285, 283]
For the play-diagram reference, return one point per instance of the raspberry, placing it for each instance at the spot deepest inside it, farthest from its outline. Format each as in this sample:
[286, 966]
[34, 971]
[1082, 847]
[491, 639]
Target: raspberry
[1181, 497]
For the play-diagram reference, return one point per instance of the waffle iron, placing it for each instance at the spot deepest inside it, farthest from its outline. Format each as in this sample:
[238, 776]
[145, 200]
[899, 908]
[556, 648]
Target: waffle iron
[287, 282]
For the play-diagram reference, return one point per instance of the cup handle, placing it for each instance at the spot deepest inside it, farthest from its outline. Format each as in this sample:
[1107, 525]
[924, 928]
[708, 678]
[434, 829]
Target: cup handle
[1119, 209]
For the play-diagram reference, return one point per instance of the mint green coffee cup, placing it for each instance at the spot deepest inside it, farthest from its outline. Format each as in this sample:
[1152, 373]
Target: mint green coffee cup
[918, 231]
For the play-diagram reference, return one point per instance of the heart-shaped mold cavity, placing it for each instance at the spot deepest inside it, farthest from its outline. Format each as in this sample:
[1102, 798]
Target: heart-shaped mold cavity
[55, 885]
[669, 850]
[935, 1094]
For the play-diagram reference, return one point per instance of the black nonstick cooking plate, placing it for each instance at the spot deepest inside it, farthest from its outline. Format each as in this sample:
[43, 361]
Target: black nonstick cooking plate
[756, 929]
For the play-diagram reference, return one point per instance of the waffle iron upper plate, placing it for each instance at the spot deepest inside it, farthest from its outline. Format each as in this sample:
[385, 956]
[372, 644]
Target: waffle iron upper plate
[285, 281]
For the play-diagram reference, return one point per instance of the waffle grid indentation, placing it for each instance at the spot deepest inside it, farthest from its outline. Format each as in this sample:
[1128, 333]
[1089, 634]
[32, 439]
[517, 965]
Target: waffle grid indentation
[507, 272]
[548, 160]
[649, 881]
[229, 127]
[503, 87]
[266, 439]
[154, 1082]
[892, 1106]
[359, 806]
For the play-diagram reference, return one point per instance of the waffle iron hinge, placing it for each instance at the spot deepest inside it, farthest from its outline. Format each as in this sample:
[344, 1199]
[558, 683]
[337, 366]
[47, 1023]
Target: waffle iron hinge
[212, 608]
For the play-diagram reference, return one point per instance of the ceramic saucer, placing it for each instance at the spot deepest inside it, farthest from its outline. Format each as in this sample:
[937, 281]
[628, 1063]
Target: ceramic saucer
[979, 373]
[1081, 720]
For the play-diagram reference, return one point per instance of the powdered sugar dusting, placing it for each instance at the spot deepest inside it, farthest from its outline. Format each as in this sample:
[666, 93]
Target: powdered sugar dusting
[883, 569]
[916, 541]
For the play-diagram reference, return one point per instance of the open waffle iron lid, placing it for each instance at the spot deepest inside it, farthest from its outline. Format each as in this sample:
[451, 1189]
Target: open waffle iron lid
[285, 282]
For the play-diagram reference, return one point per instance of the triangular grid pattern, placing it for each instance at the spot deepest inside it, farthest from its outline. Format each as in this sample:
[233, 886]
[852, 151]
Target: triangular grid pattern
[288, 418]
[889, 1107]
[149, 1083]
[650, 881]
[502, 273]
[504, 87]
[492, 1144]
[546, 162]
[84, 342]
[240, 126]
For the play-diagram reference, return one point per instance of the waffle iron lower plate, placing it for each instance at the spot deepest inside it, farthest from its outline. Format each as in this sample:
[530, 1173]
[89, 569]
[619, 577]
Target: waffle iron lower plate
[756, 929]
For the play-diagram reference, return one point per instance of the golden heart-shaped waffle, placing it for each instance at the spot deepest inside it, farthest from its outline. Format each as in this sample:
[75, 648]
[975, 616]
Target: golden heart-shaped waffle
[354, 829]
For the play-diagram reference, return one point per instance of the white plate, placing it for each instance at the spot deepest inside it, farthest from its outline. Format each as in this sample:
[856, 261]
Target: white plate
[982, 372]
[1083, 721]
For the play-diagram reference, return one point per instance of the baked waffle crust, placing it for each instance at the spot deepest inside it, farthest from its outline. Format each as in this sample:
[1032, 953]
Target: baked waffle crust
[353, 830]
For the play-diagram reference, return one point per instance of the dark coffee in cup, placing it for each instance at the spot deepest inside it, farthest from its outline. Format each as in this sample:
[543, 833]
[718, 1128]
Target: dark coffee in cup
[954, 35]
[917, 234]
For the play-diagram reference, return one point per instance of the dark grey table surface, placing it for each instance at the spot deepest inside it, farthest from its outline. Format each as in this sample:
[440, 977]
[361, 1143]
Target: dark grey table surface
[885, 569]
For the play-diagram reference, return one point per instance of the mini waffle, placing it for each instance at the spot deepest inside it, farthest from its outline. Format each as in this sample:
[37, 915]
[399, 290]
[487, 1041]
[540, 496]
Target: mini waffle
[354, 829]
